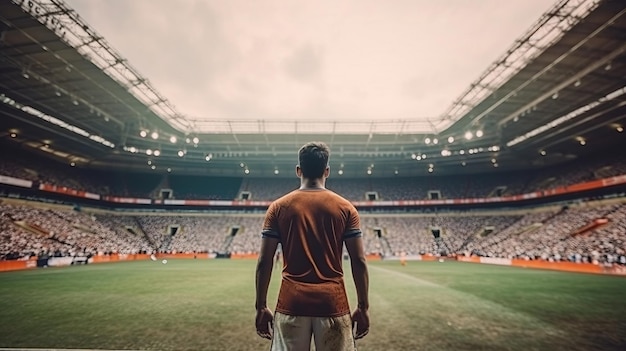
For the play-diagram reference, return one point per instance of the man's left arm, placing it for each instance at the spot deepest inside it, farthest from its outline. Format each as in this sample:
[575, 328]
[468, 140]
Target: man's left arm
[264, 317]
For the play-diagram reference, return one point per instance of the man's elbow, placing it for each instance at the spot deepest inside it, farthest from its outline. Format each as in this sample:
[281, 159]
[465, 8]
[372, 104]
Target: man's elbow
[263, 264]
[359, 263]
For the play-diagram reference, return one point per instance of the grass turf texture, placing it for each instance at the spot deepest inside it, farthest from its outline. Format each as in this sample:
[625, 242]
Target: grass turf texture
[208, 305]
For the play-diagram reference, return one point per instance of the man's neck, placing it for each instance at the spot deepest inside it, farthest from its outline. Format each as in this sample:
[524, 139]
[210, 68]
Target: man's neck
[315, 183]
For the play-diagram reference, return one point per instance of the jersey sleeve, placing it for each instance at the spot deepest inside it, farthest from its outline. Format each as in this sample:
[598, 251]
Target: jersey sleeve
[353, 226]
[270, 223]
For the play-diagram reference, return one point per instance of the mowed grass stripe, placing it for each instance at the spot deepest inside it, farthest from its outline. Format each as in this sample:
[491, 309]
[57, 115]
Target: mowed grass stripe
[208, 305]
[452, 319]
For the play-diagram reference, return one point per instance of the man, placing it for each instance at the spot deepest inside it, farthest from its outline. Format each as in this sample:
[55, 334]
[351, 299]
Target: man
[312, 224]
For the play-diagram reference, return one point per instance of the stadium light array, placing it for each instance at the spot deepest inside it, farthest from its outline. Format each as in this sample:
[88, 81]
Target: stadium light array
[555, 123]
[53, 120]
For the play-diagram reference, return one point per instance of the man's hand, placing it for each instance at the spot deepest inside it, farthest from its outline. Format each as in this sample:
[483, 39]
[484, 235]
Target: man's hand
[361, 320]
[264, 323]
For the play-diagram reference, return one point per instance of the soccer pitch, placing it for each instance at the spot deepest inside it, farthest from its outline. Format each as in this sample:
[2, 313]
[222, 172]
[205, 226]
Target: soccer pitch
[209, 305]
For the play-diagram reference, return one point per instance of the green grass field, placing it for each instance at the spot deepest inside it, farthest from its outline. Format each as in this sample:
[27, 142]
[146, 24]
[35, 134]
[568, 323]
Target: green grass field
[208, 305]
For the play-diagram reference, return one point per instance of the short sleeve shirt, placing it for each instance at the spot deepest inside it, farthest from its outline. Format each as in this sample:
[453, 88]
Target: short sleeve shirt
[311, 225]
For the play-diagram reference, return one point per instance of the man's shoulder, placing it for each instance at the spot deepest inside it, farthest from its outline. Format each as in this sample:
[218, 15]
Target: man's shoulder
[338, 197]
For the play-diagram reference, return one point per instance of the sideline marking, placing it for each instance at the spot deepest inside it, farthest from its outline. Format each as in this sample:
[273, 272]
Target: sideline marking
[36, 349]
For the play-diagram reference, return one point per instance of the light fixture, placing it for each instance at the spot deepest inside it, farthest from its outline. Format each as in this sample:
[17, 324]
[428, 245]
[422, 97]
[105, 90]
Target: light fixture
[542, 152]
[495, 165]
[577, 83]
[479, 133]
[469, 135]
[13, 135]
[246, 171]
[208, 157]
[153, 167]
[461, 152]
[435, 141]
[555, 96]
[154, 135]
[181, 153]
[608, 67]
[148, 152]
[493, 160]
[157, 152]
[173, 139]
[619, 129]
[340, 172]
[427, 141]
[450, 139]
[149, 162]
[463, 163]
[169, 170]
[276, 171]
[196, 140]
[369, 171]
[143, 133]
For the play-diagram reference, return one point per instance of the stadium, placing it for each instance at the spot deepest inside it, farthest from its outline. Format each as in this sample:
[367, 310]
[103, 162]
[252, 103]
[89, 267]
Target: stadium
[128, 225]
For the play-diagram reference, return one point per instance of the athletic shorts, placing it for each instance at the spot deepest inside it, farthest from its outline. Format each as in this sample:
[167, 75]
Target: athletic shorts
[293, 333]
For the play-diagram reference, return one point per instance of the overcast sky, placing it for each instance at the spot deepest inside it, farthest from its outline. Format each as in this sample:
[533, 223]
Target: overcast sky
[317, 60]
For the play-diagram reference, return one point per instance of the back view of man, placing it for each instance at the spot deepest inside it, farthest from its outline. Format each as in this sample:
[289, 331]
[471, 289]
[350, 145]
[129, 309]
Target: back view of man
[312, 224]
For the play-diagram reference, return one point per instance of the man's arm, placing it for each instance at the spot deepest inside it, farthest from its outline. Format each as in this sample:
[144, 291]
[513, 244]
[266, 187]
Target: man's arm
[361, 281]
[264, 317]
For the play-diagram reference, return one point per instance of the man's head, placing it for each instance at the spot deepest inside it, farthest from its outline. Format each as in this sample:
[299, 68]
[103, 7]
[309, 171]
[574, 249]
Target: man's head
[313, 159]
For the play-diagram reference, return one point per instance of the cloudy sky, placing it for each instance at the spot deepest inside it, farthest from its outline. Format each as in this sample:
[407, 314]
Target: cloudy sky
[352, 60]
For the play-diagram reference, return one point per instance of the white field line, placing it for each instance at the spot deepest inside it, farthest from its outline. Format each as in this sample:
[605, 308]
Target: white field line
[504, 313]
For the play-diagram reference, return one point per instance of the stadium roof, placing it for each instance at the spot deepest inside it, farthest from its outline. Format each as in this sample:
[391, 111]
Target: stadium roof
[556, 94]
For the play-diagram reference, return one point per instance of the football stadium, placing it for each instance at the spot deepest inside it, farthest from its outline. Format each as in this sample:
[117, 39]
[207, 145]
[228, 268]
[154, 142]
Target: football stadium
[493, 212]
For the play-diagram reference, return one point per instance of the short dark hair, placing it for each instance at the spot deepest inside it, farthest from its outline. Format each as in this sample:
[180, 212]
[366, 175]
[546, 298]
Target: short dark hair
[313, 159]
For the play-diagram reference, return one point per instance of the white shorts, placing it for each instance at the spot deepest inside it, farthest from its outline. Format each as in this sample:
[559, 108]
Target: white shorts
[293, 333]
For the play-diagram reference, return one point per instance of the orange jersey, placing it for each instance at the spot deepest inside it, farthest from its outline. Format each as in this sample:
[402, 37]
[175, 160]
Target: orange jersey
[311, 225]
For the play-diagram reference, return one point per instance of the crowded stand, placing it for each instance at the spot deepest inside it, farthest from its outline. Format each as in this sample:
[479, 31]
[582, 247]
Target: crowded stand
[150, 185]
[580, 233]
[574, 232]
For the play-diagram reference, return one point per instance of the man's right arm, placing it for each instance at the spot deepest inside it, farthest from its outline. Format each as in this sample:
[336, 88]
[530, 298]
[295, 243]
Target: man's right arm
[361, 282]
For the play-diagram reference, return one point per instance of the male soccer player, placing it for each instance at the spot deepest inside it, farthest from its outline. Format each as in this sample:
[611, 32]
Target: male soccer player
[312, 224]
